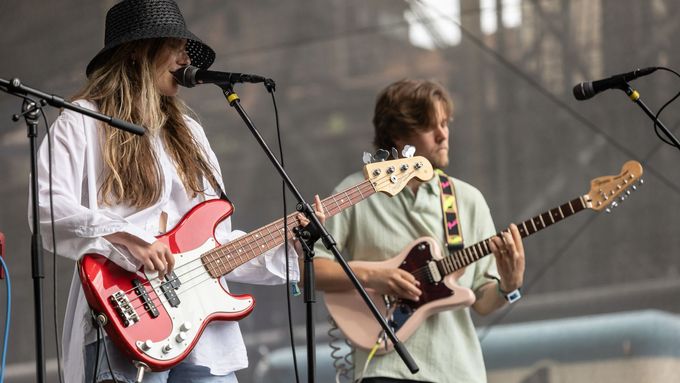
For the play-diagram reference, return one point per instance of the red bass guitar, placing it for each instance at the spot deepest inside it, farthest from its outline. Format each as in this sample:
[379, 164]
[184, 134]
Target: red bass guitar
[158, 322]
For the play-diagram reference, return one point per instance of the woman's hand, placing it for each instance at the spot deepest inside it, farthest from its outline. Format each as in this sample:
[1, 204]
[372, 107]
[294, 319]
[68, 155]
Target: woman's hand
[155, 257]
[318, 211]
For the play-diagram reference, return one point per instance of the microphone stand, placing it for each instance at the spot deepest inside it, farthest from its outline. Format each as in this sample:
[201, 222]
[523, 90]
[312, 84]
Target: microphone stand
[635, 97]
[31, 112]
[327, 239]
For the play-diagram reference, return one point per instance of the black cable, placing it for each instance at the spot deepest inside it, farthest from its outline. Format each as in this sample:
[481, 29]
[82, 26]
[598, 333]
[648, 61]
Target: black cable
[96, 361]
[656, 117]
[271, 88]
[54, 250]
[106, 353]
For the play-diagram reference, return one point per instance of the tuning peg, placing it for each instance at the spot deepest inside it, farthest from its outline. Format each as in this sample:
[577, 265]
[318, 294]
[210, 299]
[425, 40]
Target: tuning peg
[395, 154]
[381, 155]
[367, 158]
[408, 151]
[611, 207]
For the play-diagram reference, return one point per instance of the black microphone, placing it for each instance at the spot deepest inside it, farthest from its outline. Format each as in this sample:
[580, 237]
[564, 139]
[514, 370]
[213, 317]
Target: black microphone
[189, 76]
[586, 90]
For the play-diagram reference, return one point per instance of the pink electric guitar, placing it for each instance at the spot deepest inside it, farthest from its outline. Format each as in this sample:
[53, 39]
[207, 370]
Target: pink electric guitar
[438, 274]
[158, 322]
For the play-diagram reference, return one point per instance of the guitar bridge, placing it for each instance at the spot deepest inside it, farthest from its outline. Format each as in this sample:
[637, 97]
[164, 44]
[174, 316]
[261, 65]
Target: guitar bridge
[127, 313]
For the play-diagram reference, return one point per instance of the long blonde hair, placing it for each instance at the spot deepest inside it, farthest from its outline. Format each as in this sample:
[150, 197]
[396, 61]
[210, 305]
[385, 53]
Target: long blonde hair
[124, 87]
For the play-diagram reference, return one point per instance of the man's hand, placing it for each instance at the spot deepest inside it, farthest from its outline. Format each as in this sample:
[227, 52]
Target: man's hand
[396, 282]
[509, 252]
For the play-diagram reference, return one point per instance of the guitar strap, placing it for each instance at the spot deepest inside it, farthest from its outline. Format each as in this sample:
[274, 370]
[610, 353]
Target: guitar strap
[452, 231]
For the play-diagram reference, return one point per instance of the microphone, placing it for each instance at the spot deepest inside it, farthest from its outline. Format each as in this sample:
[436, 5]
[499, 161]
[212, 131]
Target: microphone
[189, 76]
[586, 90]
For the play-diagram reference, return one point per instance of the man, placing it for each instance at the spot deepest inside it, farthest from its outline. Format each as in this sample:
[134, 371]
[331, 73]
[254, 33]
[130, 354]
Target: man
[445, 346]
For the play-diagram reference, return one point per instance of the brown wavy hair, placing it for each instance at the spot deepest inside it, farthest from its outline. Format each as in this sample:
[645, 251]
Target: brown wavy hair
[405, 107]
[124, 87]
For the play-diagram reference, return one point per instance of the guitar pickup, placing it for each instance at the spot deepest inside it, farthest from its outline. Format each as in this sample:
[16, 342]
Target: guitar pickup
[121, 303]
[169, 292]
[173, 280]
[434, 274]
[143, 294]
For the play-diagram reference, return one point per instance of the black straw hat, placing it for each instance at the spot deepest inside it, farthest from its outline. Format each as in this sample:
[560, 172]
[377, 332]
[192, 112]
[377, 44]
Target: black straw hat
[132, 20]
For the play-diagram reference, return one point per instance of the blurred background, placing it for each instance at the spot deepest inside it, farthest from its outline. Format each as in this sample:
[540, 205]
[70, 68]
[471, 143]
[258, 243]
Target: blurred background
[518, 135]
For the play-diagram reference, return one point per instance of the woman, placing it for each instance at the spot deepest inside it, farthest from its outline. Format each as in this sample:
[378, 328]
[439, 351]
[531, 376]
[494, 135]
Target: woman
[114, 192]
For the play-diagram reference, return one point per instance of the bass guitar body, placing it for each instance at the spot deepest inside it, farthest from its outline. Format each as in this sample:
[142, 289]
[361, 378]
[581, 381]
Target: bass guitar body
[158, 322]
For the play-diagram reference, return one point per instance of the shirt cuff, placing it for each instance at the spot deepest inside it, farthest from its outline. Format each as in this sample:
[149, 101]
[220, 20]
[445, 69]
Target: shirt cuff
[104, 230]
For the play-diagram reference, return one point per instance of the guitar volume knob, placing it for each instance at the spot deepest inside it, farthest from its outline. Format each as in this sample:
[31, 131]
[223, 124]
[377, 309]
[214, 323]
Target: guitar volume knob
[186, 326]
[146, 345]
[181, 337]
[167, 348]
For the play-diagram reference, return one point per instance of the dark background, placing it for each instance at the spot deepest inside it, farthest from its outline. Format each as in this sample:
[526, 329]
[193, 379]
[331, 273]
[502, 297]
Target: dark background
[518, 134]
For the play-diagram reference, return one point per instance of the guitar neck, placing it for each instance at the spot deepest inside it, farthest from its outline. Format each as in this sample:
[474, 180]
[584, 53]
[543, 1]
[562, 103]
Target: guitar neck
[464, 257]
[223, 259]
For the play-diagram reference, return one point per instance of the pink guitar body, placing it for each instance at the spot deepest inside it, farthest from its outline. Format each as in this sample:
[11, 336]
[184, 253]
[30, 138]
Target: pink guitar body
[183, 308]
[358, 324]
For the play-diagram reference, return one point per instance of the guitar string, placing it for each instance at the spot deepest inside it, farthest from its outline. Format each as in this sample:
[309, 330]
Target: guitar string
[275, 235]
[459, 256]
[458, 259]
[350, 193]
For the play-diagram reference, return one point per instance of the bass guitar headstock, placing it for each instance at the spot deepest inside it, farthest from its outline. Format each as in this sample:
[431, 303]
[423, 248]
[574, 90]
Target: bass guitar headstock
[391, 176]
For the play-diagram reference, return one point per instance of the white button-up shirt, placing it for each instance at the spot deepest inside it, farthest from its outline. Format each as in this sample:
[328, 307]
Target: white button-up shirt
[81, 224]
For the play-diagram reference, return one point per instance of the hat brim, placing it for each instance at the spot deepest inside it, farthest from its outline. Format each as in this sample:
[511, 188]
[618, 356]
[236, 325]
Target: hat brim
[201, 55]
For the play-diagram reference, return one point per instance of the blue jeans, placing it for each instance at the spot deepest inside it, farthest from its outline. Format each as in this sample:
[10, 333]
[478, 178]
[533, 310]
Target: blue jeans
[125, 371]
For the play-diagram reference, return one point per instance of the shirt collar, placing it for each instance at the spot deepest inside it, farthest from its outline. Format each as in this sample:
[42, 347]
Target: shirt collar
[431, 186]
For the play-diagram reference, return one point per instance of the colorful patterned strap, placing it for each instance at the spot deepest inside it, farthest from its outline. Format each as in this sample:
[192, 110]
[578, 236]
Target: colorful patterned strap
[452, 231]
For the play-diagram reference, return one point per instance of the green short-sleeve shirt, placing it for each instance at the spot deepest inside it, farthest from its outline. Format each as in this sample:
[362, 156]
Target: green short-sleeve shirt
[445, 346]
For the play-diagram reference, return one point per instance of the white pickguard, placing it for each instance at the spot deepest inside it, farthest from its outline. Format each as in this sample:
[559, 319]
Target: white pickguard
[200, 295]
